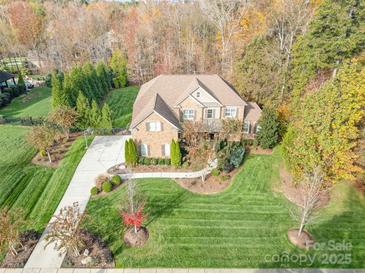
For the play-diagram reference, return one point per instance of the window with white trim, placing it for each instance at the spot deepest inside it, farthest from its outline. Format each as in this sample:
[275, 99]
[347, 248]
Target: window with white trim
[258, 128]
[166, 150]
[198, 94]
[143, 148]
[188, 114]
[230, 112]
[210, 113]
[246, 127]
[154, 126]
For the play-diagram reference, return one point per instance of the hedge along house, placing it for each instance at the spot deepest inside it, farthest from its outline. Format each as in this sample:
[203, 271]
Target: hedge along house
[4, 78]
[165, 102]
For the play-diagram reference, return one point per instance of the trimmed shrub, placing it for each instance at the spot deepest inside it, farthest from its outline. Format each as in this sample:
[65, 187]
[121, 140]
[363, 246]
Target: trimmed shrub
[154, 161]
[133, 152]
[228, 167]
[236, 157]
[175, 153]
[167, 162]
[116, 180]
[94, 190]
[161, 162]
[147, 161]
[141, 160]
[127, 153]
[107, 186]
[215, 172]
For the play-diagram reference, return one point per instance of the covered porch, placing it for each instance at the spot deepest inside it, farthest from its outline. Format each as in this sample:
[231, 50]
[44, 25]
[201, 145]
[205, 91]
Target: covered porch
[5, 77]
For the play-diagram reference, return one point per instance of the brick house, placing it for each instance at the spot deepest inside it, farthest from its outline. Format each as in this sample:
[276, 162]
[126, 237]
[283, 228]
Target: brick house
[165, 102]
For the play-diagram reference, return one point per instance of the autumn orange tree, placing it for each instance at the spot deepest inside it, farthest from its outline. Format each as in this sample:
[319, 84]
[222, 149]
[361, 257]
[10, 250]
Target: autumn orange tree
[326, 129]
[42, 138]
[65, 117]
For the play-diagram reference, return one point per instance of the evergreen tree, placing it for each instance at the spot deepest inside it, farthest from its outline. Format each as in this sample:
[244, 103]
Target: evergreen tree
[58, 94]
[257, 73]
[133, 152]
[83, 109]
[334, 34]
[70, 91]
[94, 115]
[175, 153]
[103, 77]
[106, 119]
[269, 133]
[118, 64]
[21, 88]
[127, 153]
[92, 77]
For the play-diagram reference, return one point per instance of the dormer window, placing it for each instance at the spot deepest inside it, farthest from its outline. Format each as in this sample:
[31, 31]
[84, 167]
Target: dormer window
[198, 94]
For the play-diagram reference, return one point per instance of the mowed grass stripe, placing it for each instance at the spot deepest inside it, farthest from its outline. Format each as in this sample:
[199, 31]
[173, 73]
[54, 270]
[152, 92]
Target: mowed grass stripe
[240, 227]
[36, 190]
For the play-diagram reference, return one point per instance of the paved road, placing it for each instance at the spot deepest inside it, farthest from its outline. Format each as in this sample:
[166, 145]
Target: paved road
[104, 152]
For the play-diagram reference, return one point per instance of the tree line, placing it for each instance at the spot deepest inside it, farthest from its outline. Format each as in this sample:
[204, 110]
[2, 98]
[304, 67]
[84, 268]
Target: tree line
[84, 89]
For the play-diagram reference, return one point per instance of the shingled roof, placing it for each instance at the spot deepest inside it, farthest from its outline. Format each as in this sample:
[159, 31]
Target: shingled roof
[252, 112]
[165, 92]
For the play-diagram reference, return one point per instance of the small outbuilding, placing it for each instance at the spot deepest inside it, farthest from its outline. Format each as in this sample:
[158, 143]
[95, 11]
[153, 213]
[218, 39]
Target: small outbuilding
[4, 78]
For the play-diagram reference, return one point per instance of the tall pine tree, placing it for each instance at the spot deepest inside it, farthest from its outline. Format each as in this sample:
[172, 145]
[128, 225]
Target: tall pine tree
[58, 94]
[106, 119]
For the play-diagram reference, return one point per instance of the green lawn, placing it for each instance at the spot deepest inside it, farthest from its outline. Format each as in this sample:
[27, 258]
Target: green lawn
[245, 226]
[36, 103]
[37, 190]
[121, 103]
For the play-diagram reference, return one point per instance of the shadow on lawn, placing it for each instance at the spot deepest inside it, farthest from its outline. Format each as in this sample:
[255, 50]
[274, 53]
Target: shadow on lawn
[163, 207]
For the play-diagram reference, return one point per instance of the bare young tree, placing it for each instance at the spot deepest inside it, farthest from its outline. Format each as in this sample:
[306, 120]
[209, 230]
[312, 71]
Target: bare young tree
[64, 230]
[313, 188]
[10, 224]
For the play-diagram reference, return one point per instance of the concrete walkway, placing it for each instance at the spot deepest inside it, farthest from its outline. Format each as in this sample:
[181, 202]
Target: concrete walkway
[104, 152]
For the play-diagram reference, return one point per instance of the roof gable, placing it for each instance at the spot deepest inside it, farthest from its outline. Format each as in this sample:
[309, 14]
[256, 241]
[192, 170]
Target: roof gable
[164, 92]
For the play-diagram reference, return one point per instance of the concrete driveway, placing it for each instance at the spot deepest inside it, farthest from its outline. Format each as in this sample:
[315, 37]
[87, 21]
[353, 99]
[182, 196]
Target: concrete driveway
[104, 152]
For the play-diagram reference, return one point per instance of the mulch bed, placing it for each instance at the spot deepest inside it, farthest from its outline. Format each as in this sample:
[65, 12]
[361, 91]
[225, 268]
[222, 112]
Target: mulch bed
[211, 185]
[295, 192]
[58, 152]
[28, 240]
[97, 254]
[305, 240]
[258, 150]
[131, 238]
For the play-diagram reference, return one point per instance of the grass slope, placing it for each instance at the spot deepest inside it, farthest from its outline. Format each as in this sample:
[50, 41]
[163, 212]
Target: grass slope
[245, 226]
[121, 104]
[36, 103]
[37, 190]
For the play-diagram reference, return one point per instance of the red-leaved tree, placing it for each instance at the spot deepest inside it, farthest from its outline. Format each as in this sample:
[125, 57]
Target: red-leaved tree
[134, 219]
[132, 207]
